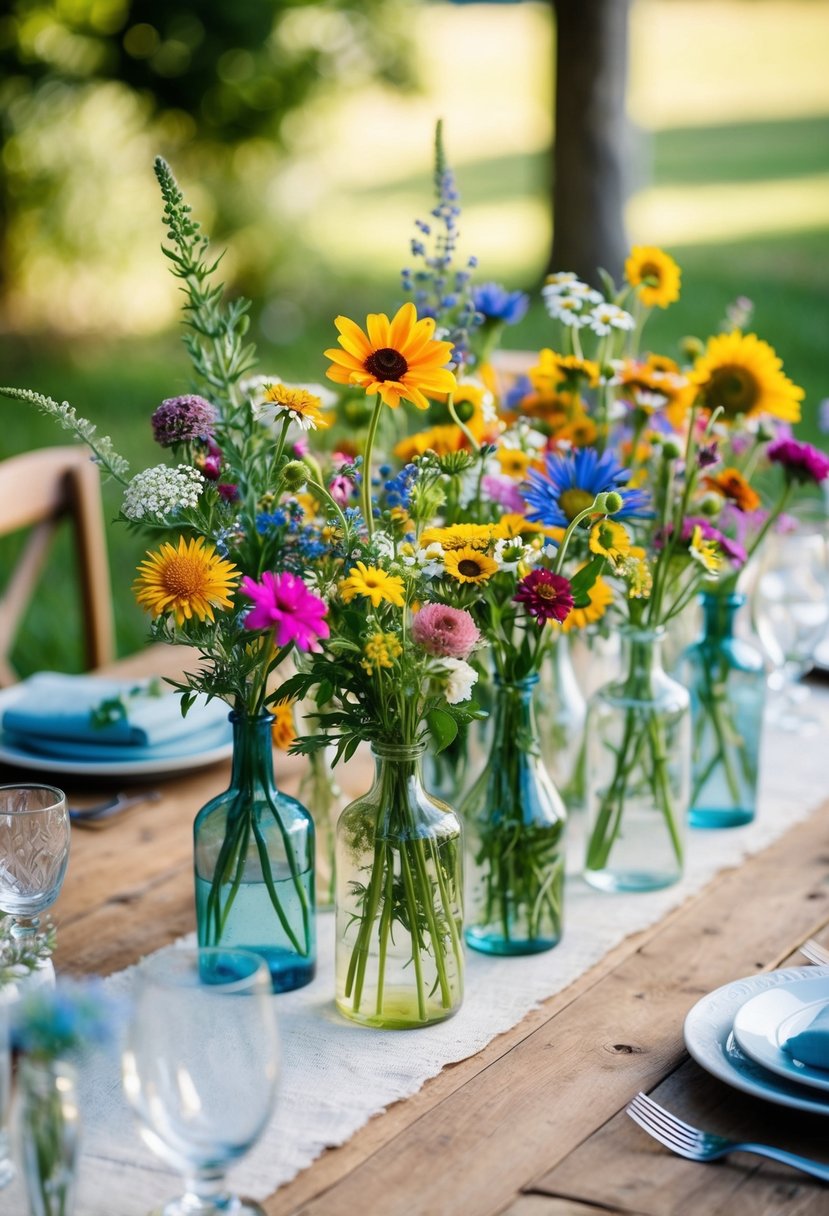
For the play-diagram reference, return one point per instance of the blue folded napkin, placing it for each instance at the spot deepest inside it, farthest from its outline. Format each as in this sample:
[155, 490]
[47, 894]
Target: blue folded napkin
[811, 1046]
[56, 714]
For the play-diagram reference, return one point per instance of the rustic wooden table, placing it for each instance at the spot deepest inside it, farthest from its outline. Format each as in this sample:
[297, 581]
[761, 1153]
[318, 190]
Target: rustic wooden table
[533, 1125]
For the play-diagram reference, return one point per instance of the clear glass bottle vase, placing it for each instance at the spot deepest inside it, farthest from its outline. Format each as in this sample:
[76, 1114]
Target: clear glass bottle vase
[320, 792]
[726, 678]
[514, 820]
[638, 772]
[561, 713]
[49, 1127]
[254, 863]
[399, 952]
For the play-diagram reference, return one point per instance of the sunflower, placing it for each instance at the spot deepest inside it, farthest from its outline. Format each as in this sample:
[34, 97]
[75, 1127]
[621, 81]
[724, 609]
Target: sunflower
[469, 565]
[188, 581]
[733, 486]
[458, 536]
[373, 584]
[304, 408]
[741, 375]
[552, 368]
[600, 596]
[655, 274]
[283, 727]
[399, 359]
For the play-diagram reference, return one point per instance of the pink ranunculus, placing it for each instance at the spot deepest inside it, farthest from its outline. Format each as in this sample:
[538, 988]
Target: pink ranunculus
[284, 604]
[445, 631]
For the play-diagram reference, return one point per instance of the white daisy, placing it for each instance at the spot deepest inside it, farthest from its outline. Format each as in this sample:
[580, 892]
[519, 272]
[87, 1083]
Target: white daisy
[459, 677]
[605, 317]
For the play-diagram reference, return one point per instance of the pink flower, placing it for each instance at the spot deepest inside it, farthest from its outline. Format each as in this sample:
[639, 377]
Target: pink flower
[546, 596]
[212, 467]
[284, 604]
[228, 491]
[341, 488]
[444, 631]
[504, 491]
[301, 447]
[800, 461]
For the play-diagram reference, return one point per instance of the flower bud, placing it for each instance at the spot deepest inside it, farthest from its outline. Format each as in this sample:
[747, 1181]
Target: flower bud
[613, 502]
[295, 475]
[671, 450]
[691, 347]
[711, 505]
[465, 410]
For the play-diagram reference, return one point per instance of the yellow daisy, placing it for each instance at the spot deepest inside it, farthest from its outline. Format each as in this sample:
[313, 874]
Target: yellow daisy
[399, 359]
[188, 580]
[469, 565]
[373, 584]
[610, 540]
[655, 274]
[552, 368]
[283, 728]
[511, 525]
[706, 552]
[305, 408]
[458, 536]
[514, 463]
[601, 597]
[741, 374]
[442, 440]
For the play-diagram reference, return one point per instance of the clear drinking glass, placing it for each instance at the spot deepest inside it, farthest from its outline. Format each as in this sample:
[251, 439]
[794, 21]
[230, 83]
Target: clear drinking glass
[34, 851]
[791, 611]
[200, 1067]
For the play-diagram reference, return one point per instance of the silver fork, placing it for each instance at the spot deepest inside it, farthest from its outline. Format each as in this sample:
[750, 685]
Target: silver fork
[112, 806]
[697, 1145]
[815, 953]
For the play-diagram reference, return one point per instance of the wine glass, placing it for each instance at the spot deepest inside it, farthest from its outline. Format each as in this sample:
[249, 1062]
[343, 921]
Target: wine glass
[200, 1067]
[34, 852]
[791, 613]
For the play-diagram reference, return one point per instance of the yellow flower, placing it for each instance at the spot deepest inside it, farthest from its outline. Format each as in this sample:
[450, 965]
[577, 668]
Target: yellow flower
[514, 463]
[610, 540]
[741, 374]
[469, 565]
[305, 407]
[706, 552]
[552, 368]
[601, 597]
[373, 584]
[283, 728]
[637, 572]
[381, 650]
[442, 440]
[458, 536]
[656, 275]
[511, 525]
[399, 359]
[190, 580]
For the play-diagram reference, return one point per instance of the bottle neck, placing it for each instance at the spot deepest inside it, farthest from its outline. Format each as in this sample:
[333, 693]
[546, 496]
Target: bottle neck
[252, 751]
[719, 613]
[642, 654]
[514, 710]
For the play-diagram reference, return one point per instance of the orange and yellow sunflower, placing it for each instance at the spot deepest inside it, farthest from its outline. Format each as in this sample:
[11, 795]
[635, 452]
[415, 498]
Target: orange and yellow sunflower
[654, 274]
[741, 375]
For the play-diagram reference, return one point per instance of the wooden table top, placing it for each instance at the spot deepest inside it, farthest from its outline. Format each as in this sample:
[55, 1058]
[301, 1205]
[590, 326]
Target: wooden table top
[534, 1124]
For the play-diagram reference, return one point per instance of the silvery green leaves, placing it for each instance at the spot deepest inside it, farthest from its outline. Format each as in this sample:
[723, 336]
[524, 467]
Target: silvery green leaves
[103, 453]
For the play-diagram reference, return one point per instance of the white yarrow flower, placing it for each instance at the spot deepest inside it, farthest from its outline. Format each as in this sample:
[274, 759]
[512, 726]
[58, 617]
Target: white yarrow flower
[460, 678]
[605, 317]
[162, 490]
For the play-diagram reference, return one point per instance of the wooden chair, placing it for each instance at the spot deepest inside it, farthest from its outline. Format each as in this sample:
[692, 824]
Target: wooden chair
[38, 490]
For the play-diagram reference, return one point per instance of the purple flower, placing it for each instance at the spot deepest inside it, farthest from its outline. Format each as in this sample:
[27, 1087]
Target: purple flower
[498, 304]
[707, 455]
[228, 491]
[445, 631]
[504, 491]
[284, 604]
[183, 419]
[546, 596]
[800, 461]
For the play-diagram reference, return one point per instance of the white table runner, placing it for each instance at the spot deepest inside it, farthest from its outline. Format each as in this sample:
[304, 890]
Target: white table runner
[336, 1076]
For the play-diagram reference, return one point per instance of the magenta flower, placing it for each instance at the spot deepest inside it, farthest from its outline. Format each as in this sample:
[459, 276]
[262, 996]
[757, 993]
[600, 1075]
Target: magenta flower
[284, 604]
[212, 467]
[228, 491]
[800, 461]
[449, 633]
[183, 419]
[546, 596]
[341, 488]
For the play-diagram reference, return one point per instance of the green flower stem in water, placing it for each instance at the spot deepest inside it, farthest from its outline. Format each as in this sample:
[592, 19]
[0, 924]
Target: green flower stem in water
[49, 1125]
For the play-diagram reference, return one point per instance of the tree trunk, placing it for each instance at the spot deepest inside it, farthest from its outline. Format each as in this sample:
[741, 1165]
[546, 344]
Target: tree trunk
[590, 136]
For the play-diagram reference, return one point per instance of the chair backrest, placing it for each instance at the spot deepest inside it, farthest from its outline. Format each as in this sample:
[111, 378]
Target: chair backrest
[38, 490]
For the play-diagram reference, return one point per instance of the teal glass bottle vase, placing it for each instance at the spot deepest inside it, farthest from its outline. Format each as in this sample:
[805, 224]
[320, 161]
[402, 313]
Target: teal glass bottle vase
[514, 820]
[254, 863]
[726, 678]
[638, 772]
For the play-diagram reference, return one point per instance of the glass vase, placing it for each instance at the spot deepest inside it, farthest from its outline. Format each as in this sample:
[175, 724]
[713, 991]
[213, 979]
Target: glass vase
[514, 820]
[254, 863]
[49, 1127]
[726, 678]
[6, 1163]
[399, 953]
[638, 767]
[320, 792]
[561, 713]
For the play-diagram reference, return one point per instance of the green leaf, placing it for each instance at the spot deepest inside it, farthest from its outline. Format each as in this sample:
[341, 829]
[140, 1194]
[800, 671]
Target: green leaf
[442, 727]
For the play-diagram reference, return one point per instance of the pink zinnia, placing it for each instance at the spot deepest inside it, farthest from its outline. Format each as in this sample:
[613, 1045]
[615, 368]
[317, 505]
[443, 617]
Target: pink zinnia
[800, 461]
[546, 596]
[444, 631]
[284, 604]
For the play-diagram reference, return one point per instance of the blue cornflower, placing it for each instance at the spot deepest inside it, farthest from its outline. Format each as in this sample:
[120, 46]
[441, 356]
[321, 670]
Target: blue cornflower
[267, 520]
[498, 304]
[572, 481]
[521, 388]
[399, 488]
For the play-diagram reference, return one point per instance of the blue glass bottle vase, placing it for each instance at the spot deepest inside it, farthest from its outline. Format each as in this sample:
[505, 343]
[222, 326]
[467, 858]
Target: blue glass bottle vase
[254, 863]
[726, 678]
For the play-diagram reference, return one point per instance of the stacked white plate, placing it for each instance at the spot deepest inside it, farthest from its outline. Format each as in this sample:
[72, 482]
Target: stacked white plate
[737, 1034]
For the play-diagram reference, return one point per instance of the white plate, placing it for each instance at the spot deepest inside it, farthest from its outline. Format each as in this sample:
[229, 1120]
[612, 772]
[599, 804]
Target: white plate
[35, 762]
[709, 1039]
[764, 1023]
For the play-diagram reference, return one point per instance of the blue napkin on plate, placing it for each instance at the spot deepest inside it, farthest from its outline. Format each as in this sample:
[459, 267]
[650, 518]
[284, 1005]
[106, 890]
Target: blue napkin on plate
[55, 714]
[811, 1046]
